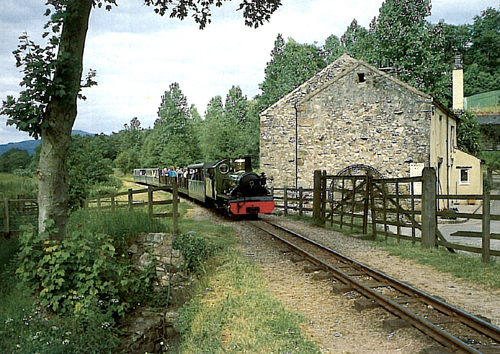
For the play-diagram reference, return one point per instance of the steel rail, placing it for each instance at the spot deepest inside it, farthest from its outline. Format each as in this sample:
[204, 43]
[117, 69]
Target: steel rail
[472, 321]
[427, 327]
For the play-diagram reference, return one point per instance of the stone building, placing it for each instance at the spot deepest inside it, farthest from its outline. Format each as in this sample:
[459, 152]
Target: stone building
[352, 113]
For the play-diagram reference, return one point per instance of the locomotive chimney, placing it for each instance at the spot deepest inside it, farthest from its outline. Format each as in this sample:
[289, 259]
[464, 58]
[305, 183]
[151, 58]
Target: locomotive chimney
[248, 163]
[458, 84]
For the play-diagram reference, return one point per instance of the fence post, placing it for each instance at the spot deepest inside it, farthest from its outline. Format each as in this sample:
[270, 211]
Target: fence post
[98, 202]
[130, 198]
[323, 197]
[6, 225]
[150, 201]
[175, 208]
[486, 217]
[112, 197]
[429, 222]
[285, 200]
[317, 196]
[300, 201]
[367, 202]
[20, 203]
[372, 202]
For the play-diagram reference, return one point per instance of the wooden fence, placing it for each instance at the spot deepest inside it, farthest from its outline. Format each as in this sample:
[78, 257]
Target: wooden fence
[16, 212]
[293, 200]
[152, 198]
[400, 208]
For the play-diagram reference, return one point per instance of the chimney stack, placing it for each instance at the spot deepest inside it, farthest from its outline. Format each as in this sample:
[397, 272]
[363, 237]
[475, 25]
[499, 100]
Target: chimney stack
[458, 84]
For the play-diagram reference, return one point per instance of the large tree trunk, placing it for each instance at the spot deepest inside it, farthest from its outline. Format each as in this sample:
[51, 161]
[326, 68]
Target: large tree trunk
[59, 119]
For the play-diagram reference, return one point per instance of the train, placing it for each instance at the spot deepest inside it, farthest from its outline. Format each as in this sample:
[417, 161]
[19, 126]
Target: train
[228, 185]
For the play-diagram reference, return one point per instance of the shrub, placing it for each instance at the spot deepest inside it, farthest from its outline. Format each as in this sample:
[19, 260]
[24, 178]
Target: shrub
[81, 272]
[194, 249]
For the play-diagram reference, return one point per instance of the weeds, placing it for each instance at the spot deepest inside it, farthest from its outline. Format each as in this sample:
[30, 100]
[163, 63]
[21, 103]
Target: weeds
[82, 285]
[195, 251]
[234, 312]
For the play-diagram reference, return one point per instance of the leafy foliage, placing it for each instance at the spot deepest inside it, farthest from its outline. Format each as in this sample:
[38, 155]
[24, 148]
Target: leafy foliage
[254, 12]
[291, 65]
[468, 134]
[14, 159]
[195, 251]
[79, 272]
[413, 46]
[172, 141]
[230, 129]
[88, 168]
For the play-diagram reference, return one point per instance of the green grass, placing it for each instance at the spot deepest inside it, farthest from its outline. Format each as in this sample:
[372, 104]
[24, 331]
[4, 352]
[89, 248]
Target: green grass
[466, 266]
[462, 265]
[11, 186]
[233, 312]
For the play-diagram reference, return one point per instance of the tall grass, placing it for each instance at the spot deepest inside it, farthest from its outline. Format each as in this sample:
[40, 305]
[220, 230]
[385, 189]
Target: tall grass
[11, 186]
[122, 224]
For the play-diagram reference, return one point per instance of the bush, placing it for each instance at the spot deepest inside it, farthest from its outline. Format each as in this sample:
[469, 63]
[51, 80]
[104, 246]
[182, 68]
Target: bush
[195, 251]
[81, 272]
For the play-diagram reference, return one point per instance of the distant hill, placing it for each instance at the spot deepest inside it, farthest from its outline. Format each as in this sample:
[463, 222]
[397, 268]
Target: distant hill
[30, 145]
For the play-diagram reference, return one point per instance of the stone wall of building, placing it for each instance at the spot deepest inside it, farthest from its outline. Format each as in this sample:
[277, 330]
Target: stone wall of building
[350, 113]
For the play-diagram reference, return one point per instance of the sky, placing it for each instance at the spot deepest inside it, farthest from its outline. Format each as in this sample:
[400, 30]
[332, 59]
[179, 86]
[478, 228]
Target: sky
[137, 54]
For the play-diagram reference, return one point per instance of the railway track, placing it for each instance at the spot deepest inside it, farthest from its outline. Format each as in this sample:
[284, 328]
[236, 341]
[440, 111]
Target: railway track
[455, 330]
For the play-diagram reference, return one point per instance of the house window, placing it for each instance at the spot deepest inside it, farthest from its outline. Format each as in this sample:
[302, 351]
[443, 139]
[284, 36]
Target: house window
[361, 77]
[464, 176]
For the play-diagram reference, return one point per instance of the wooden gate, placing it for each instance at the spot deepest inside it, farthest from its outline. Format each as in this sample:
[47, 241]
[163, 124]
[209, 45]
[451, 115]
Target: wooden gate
[378, 206]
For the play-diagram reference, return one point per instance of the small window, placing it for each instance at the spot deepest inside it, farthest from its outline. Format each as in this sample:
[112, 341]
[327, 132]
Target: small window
[464, 176]
[224, 169]
[361, 77]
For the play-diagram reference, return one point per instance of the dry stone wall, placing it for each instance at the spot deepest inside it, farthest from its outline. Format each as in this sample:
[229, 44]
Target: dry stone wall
[349, 113]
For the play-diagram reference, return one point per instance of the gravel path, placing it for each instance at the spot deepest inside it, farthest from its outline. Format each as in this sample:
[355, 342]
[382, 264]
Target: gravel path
[334, 324]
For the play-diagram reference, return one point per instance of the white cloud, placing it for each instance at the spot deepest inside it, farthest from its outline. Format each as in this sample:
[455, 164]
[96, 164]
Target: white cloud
[138, 54]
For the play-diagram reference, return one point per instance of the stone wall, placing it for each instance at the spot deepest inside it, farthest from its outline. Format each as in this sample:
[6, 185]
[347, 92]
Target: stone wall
[349, 113]
[152, 330]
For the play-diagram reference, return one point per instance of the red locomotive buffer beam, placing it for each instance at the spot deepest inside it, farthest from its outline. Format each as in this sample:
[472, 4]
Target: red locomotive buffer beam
[258, 205]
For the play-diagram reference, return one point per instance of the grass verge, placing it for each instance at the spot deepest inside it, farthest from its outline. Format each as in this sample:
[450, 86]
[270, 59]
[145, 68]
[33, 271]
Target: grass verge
[466, 266]
[462, 265]
[233, 312]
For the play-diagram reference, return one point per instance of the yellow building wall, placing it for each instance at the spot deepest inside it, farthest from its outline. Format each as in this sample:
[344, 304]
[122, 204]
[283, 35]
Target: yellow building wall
[449, 162]
[443, 146]
[466, 176]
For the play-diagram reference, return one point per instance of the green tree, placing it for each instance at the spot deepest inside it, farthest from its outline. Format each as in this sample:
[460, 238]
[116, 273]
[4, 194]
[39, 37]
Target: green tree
[172, 141]
[88, 167]
[477, 80]
[468, 134]
[359, 42]
[332, 49]
[485, 49]
[457, 41]
[231, 129]
[291, 65]
[14, 159]
[482, 56]
[413, 46]
[236, 123]
[213, 135]
[128, 144]
[52, 77]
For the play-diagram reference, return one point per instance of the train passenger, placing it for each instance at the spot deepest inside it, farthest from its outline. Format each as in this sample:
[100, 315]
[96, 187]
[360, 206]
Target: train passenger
[171, 172]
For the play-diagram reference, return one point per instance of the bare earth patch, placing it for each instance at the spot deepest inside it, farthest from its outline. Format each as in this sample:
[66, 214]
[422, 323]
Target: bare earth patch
[333, 323]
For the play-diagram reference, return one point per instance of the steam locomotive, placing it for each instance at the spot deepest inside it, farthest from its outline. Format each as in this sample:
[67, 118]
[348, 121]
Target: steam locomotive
[229, 184]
